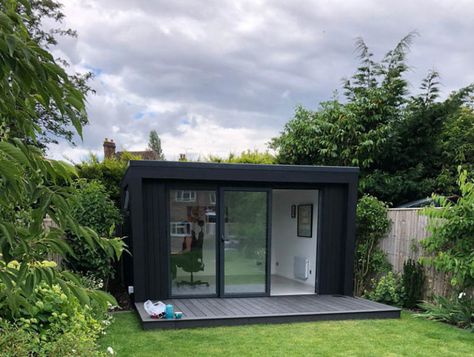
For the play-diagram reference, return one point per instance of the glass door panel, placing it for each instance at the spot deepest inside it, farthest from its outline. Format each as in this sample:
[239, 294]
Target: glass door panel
[192, 229]
[244, 241]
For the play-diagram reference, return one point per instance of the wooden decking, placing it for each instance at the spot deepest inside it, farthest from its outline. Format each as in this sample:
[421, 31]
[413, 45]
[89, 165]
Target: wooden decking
[201, 312]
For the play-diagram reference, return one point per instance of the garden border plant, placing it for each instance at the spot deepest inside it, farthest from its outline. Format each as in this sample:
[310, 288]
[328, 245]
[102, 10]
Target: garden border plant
[34, 187]
[372, 225]
[450, 249]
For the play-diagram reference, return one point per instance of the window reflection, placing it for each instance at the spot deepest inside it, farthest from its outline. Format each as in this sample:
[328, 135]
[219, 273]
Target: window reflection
[193, 242]
[245, 243]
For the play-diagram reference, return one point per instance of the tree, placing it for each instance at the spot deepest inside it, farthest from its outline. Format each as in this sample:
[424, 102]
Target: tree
[53, 123]
[154, 144]
[353, 133]
[400, 142]
[32, 186]
[245, 157]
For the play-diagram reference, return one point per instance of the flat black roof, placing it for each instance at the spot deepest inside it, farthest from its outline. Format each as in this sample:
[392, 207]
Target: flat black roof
[208, 171]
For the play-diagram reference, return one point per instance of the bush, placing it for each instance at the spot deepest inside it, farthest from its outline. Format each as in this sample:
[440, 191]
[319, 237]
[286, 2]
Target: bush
[413, 281]
[451, 242]
[457, 311]
[372, 226]
[109, 172]
[18, 341]
[57, 325]
[92, 208]
[245, 157]
[15, 341]
[388, 290]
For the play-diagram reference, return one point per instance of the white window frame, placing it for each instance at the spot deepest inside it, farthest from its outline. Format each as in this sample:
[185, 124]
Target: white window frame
[185, 196]
[180, 229]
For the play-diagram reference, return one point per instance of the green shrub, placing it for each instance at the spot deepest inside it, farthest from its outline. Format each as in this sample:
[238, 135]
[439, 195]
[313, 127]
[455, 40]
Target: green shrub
[413, 281]
[457, 311]
[55, 325]
[245, 157]
[92, 208]
[451, 242]
[54, 313]
[388, 290]
[16, 341]
[109, 172]
[372, 226]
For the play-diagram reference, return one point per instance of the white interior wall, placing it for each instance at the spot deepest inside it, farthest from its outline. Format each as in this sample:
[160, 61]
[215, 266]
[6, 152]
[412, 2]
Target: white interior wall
[285, 244]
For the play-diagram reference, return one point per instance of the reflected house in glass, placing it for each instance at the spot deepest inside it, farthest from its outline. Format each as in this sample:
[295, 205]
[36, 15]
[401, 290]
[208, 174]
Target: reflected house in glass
[226, 230]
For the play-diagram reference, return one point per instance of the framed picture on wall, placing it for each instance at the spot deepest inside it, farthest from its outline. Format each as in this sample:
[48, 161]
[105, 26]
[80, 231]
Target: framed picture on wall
[293, 211]
[305, 221]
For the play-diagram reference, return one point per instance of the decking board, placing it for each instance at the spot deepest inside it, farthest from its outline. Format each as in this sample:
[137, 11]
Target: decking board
[202, 312]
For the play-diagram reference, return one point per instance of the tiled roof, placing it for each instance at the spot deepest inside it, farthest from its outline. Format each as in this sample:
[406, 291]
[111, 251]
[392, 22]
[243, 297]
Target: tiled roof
[144, 155]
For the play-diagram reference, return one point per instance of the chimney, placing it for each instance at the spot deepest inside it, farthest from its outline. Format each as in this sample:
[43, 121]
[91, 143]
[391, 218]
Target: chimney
[109, 149]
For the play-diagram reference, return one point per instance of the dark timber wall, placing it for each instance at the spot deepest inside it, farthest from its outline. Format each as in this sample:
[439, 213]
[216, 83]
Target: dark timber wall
[147, 182]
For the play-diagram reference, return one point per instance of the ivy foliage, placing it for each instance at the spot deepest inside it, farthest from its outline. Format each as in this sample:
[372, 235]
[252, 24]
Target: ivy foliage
[372, 225]
[451, 240]
[32, 186]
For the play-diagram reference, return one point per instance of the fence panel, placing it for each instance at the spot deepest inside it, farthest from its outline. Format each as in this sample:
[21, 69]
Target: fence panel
[402, 242]
[48, 222]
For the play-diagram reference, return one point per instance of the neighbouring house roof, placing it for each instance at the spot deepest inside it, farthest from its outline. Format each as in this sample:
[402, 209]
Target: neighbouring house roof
[144, 155]
[109, 152]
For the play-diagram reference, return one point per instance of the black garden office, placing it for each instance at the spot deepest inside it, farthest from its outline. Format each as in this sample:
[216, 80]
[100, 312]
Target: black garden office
[209, 236]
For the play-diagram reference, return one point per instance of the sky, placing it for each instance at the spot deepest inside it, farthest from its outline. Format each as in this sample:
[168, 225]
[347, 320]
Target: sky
[214, 77]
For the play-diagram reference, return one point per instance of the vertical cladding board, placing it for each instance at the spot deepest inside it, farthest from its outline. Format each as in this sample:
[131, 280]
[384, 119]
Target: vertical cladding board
[350, 243]
[137, 229]
[332, 248]
[153, 219]
[162, 242]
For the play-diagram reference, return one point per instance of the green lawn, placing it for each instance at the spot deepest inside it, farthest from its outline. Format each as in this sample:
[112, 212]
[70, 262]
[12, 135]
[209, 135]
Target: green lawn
[408, 336]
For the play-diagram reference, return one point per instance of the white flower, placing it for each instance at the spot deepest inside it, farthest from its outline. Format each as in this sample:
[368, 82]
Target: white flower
[461, 295]
[110, 350]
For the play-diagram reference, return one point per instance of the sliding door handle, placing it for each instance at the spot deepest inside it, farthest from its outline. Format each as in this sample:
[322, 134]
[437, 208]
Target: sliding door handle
[223, 239]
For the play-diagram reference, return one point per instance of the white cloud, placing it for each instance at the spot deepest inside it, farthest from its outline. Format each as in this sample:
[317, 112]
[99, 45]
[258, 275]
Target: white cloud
[205, 137]
[235, 70]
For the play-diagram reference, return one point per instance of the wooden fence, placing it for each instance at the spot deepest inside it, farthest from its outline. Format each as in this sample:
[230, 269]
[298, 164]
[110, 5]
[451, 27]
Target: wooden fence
[408, 228]
[47, 223]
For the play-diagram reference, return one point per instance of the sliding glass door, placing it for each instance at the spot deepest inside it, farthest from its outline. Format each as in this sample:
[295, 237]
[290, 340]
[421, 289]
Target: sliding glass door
[244, 242]
[235, 264]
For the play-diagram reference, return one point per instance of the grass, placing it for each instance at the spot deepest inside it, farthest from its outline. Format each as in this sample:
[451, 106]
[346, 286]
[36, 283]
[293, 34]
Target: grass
[407, 336]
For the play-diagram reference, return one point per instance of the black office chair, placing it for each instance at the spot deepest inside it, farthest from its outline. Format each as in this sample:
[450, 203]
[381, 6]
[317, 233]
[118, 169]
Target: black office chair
[192, 262]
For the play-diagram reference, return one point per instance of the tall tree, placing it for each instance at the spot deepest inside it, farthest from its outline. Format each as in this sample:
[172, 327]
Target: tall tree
[32, 186]
[53, 123]
[154, 144]
[398, 141]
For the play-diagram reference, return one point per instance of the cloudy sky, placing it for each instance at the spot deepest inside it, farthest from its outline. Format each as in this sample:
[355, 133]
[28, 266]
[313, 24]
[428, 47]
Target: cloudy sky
[223, 76]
